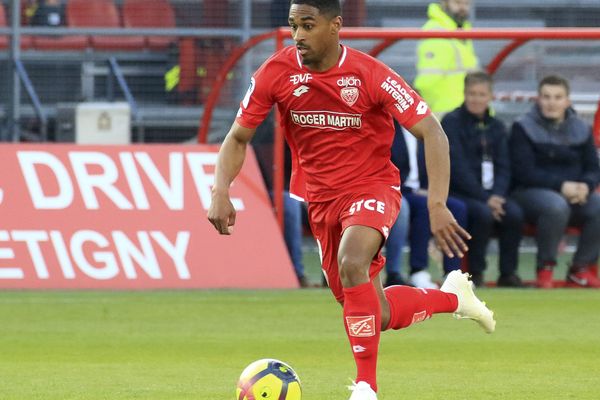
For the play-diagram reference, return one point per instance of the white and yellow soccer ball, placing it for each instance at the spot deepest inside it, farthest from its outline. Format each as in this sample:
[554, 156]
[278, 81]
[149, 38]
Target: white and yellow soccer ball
[268, 379]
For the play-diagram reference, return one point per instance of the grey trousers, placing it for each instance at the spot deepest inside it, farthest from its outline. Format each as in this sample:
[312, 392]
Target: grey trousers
[551, 213]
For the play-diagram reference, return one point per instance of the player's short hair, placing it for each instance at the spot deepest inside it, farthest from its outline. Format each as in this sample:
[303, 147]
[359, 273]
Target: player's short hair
[329, 8]
[475, 77]
[554, 80]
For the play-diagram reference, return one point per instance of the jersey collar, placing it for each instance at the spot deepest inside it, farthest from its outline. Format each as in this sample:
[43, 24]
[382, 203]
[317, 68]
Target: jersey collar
[340, 63]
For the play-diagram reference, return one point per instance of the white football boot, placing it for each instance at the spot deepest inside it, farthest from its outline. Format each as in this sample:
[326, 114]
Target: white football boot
[469, 306]
[362, 391]
[422, 279]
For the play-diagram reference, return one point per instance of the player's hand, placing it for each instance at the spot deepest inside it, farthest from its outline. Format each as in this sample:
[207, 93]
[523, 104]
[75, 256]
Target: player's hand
[449, 236]
[221, 213]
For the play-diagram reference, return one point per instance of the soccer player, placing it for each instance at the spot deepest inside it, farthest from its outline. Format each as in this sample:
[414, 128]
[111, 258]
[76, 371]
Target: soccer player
[337, 106]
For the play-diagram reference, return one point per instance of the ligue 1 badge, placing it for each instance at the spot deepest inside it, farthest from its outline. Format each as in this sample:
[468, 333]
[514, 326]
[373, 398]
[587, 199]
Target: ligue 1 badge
[349, 95]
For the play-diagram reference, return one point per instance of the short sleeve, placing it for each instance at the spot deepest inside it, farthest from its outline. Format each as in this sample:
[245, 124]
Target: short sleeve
[398, 98]
[258, 100]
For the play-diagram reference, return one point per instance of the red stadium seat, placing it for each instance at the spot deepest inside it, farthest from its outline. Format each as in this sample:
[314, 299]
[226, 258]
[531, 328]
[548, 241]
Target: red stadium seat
[101, 13]
[60, 43]
[150, 14]
[26, 41]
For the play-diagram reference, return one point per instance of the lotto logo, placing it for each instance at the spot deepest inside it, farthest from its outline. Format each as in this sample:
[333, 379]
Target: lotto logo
[421, 108]
[359, 349]
[300, 90]
[361, 326]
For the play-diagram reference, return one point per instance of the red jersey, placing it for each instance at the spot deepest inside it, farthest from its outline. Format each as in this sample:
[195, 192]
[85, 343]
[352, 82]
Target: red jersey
[338, 123]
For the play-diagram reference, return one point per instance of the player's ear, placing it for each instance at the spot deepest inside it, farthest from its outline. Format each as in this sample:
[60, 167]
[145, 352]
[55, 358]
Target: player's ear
[336, 24]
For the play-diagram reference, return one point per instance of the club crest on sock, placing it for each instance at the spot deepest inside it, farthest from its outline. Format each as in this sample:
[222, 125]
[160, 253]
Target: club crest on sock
[361, 326]
[419, 316]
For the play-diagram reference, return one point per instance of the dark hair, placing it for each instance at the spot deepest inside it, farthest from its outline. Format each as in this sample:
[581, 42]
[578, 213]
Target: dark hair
[475, 77]
[330, 8]
[554, 80]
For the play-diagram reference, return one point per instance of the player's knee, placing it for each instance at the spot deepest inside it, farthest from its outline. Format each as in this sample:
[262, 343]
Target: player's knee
[353, 270]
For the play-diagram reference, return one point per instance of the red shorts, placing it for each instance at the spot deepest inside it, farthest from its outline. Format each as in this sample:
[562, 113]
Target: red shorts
[376, 207]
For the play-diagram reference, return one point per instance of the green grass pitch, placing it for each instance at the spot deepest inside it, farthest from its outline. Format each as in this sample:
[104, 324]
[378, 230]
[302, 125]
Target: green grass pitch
[171, 345]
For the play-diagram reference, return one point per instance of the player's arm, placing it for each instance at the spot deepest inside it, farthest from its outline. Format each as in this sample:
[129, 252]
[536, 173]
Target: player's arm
[229, 163]
[449, 235]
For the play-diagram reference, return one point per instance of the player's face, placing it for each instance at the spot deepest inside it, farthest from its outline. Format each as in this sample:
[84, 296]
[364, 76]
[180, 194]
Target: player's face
[553, 101]
[458, 9]
[316, 35]
[477, 98]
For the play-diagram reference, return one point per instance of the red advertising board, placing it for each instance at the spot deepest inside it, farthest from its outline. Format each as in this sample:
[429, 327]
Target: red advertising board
[131, 217]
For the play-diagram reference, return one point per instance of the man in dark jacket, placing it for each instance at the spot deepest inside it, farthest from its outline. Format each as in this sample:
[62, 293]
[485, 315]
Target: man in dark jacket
[48, 13]
[480, 176]
[556, 176]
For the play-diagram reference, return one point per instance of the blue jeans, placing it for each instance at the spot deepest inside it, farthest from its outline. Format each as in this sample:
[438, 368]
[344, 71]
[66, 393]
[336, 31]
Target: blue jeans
[396, 240]
[551, 213]
[292, 231]
[420, 231]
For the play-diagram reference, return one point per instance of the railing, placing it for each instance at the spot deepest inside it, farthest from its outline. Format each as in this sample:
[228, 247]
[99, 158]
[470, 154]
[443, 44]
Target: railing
[35, 100]
[116, 72]
[13, 109]
[387, 38]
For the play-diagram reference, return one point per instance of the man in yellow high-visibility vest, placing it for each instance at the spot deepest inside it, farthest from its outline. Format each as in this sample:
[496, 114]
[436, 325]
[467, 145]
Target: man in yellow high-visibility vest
[443, 63]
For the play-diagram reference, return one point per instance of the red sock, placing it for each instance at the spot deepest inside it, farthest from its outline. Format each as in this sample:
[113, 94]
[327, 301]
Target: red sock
[362, 317]
[409, 305]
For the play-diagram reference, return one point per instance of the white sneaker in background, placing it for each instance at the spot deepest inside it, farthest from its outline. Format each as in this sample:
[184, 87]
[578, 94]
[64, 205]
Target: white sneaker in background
[422, 279]
[362, 391]
[469, 306]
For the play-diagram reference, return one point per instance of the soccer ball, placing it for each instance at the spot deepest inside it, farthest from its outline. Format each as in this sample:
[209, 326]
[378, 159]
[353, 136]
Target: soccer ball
[268, 379]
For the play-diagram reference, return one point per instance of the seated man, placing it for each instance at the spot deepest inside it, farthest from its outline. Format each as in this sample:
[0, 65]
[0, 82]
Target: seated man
[47, 13]
[409, 156]
[556, 175]
[480, 176]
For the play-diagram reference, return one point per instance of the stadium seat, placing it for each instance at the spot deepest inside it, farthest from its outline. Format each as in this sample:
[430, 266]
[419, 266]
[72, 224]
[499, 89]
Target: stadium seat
[60, 43]
[5, 40]
[150, 14]
[101, 13]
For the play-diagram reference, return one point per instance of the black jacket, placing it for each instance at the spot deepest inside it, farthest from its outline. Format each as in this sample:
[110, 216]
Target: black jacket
[546, 155]
[47, 15]
[472, 139]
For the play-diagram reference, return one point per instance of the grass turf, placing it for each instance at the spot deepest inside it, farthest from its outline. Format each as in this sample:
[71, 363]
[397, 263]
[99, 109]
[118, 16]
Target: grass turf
[194, 344]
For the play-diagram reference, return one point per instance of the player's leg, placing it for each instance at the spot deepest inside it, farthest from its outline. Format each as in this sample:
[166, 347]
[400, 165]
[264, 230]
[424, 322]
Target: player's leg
[359, 245]
[408, 305]
[403, 306]
[327, 229]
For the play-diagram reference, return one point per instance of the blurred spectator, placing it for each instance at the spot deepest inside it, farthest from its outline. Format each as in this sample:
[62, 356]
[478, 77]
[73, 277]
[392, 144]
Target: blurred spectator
[394, 247]
[199, 60]
[46, 13]
[480, 176]
[279, 12]
[409, 156]
[443, 63]
[556, 175]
